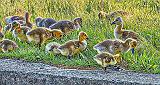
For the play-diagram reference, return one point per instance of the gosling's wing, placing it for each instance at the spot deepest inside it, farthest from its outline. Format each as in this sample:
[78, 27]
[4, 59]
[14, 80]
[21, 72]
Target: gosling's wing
[48, 22]
[56, 25]
[108, 59]
[103, 45]
[36, 31]
[68, 44]
[67, 24]
[129, 34]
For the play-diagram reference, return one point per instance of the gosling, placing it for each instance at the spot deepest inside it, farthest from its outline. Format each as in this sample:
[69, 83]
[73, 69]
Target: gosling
[119, 33]
[115, 46]
[7, 45]
[67, 26]
[73, 47]
[20, 31]
[44, 22]
[106, 59]
[40, 35]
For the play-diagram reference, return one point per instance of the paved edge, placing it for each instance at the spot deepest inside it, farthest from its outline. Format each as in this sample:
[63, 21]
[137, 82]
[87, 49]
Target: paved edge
[17, 72]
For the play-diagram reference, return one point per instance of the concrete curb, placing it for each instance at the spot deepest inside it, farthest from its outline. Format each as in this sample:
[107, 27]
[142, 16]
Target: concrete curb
[17, 72]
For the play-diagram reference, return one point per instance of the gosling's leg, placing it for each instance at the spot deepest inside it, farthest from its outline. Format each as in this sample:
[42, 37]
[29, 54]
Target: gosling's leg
[28, 42]
[105, 69]
[41, 41]
[39, 46]
[132, 50]
[70, 54]
[69, 57]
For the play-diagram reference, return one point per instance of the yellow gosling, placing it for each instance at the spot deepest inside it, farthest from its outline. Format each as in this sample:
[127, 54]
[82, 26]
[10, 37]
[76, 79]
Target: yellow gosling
[72, 47]
[105, 59]
[20, 31]
[40, 35]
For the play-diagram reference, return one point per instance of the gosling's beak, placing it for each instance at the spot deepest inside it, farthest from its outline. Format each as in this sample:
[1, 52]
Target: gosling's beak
[87, 38]
[117, 52]
[113, 23]
[61, 35]
[50, 49]
[59, 48]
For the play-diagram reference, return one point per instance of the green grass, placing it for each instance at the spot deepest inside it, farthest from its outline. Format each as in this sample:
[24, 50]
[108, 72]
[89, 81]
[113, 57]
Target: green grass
[145, 21]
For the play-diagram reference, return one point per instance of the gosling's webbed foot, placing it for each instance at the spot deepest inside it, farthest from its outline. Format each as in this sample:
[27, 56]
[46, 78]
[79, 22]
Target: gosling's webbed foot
[28, 42]
[117, 68]
[105, 69]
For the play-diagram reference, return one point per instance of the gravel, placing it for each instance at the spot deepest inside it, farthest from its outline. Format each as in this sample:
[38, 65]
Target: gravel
[18, 72]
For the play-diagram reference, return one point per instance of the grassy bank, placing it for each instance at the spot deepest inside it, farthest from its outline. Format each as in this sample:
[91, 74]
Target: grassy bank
[145, 21]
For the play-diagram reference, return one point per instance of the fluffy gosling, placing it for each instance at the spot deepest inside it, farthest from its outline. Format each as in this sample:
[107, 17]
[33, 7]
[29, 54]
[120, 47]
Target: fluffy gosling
[40, 35]
[7, 45]
[72, 47]
[77, 23]
[119, 33]
[105, 59]
[44, 22]
[115, 46]
[67, 26]
[20, 31]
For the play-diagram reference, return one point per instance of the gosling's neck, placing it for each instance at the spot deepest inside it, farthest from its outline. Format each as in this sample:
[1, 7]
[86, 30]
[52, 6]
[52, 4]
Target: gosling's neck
[118, 28]
[27, 18]
[49, 34]
[118, 31]
[77, 26]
